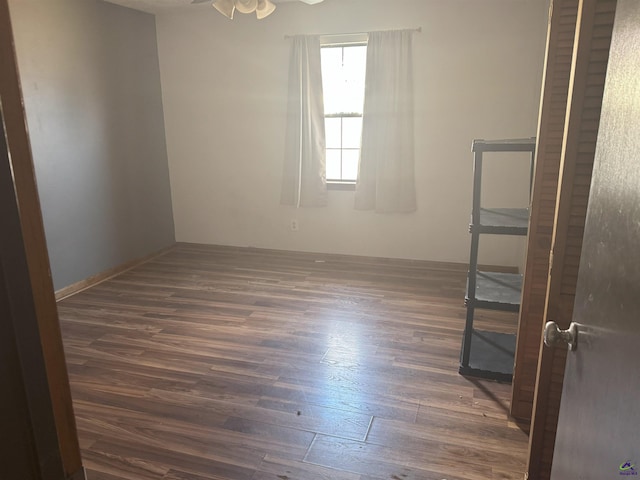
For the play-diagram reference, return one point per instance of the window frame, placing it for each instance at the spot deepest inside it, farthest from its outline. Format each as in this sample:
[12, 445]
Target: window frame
[343, 41]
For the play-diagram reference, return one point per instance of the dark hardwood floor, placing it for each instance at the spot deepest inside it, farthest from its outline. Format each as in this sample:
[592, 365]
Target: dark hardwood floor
[243, 364]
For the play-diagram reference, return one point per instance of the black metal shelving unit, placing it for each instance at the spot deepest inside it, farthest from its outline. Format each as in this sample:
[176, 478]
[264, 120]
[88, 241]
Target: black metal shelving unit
[491, 354]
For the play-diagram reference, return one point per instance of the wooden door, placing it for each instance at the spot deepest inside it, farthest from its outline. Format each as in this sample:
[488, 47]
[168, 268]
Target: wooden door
[38, 439]
[598, 435]
[589, 61]
[24, 398]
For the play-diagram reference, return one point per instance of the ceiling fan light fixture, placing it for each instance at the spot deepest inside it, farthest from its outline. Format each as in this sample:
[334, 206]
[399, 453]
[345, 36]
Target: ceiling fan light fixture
[225, 7]
[264, 9]
[246, 6]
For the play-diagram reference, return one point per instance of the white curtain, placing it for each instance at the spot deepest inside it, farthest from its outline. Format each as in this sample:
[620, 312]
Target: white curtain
[386, 180]
[304, 181]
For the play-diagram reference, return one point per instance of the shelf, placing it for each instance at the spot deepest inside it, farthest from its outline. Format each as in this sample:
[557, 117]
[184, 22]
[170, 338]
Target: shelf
[511, 145]
[492, 356]
[496, 291]
[503, 221]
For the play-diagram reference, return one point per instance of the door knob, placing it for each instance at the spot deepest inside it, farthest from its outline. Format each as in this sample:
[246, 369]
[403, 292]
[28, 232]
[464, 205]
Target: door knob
[553, 336]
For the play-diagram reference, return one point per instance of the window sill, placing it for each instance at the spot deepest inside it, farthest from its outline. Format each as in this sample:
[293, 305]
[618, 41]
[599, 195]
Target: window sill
[344, 186]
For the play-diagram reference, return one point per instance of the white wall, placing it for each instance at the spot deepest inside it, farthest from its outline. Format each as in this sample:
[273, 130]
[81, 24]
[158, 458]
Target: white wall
[478, 68]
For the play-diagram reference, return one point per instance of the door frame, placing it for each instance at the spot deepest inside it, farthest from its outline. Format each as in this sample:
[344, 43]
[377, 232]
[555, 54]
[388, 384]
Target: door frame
[28, 288]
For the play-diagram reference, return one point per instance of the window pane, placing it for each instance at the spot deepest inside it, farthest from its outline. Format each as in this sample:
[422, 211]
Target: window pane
[331, 57]
[354, 71]
[343, 79]
[332, 132]
[350, 160]
[343, 76]
[333, 164]
[351, 132]
[332, 78]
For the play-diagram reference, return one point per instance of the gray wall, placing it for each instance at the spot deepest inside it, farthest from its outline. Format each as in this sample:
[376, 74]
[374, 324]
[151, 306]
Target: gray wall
[92, 93]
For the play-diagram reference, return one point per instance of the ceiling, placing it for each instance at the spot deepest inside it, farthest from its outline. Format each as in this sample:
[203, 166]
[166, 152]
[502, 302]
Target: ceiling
[158, 6]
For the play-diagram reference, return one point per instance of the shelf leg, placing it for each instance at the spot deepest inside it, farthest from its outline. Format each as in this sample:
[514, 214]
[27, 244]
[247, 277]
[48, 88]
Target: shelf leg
[466, 338]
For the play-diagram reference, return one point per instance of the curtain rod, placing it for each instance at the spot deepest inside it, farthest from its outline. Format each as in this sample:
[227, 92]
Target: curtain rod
[419, 30]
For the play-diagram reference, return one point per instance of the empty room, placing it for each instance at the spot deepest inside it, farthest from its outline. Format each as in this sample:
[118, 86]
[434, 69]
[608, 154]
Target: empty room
[312, 239]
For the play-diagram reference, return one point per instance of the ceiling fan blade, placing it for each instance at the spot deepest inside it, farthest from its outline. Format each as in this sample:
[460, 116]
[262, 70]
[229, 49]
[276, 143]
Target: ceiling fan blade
[199, 1]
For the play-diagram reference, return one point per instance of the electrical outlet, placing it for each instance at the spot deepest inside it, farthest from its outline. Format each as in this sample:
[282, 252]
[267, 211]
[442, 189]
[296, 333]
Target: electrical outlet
[294, 225]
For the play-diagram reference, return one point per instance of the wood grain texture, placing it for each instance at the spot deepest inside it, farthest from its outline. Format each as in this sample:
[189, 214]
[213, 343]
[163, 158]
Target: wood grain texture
[593, 38]
[106, 275]
[29, 448]
[551, 124]
[228, 363]
[40, 292]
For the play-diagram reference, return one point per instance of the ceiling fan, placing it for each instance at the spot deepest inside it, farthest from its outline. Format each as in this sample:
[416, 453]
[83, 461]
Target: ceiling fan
[262, 8]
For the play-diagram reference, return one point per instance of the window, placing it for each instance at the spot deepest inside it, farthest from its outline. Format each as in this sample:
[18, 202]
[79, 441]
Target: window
[343, 77]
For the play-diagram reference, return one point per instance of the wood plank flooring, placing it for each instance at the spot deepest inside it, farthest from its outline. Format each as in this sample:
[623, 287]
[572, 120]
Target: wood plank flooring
[242, 364]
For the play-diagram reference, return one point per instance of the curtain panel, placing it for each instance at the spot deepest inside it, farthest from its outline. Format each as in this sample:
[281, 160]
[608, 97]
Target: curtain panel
[304, 179]
[386, 179]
